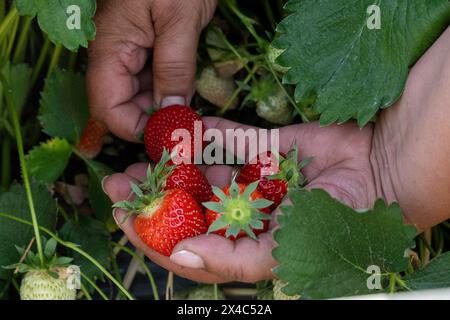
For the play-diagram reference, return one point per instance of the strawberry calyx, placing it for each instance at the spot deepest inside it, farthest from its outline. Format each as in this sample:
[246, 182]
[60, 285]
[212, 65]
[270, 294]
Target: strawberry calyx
[149, 194]
[52, 264]
[237, 211]
[290, 168]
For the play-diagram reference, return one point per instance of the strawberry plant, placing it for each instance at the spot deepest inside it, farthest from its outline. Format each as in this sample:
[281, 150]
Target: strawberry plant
[270, 66]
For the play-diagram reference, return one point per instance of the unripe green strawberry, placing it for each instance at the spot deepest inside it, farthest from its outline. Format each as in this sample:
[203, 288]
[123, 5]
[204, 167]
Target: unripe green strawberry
[276, 108]
[215, 89]
[272, 55]
[40, 285]
[278, 294]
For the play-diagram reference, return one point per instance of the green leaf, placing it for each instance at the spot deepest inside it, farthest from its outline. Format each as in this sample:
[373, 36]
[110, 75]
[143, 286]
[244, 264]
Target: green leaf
[17, 77]
[436, 274]
[63, 261]
[220, 223]
[234, 190]
[326, 247]
[93, 237]
[249, 232]
[256, 224]
[64, 107]
[55, 18]
[48, 161]
[26, 7]
[219, 193]
[249, 190]
[13, 233]
[233, 230]
[59, 19]
[261, 203]
[214, 206]
[137, 191]
[352, 70]
[100, 202]
[50, 248]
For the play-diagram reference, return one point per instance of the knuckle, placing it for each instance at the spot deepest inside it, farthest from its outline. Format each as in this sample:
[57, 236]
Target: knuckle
[167, 71]
[234, 273]
[169, 13]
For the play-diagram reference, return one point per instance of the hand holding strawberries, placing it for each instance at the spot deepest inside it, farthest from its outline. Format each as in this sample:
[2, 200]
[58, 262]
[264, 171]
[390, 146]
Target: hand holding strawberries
[341, 166]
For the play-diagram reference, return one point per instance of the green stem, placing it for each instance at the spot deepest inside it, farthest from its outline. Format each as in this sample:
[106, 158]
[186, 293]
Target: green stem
[144, 266]
[23, 165]
[392, 281]
[116, 271]
[75, 248]
[236, 53]
[63, 212]
[238, 91]
[6, 163]
[2, 12]
[19, 52]
[401, 283]
[424, 246]
[230, 19]
[288, 96]
[12, 34]
[15, 284]
[40, 62]
[246, 21]
[269, 13]
[5, 24]
[96, 288]
[439, 240]
[85, 292]
[216, 291]
[56, 56]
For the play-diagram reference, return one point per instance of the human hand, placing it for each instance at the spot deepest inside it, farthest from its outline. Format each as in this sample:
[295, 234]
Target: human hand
[341, 166]
[122, 84]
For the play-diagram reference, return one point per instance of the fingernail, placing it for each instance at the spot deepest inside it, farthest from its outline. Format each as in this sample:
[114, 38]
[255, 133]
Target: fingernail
[170, 101]
[118, 216]
[187, 259]
[103, 183]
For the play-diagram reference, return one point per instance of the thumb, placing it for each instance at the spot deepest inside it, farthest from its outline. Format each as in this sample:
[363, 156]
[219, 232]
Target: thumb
[177, 25]
[244, 260]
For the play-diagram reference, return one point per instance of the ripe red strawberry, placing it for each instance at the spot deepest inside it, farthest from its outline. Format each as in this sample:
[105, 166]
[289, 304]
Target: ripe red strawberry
[161, 125]
[275, 174]
[261, 167]
[189, 178]
[186, 177]
[238, 211]
[166, 216]
[91, 141]
[169, 219]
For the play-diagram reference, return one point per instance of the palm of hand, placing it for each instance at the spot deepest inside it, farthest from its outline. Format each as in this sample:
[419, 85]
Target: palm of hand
[341, 166]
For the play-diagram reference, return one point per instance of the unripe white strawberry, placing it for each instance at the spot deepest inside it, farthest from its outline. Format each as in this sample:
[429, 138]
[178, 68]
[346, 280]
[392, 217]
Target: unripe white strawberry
[215, 89]
[276, 108]
[278, 294]
[40, 285]
[272, 55]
